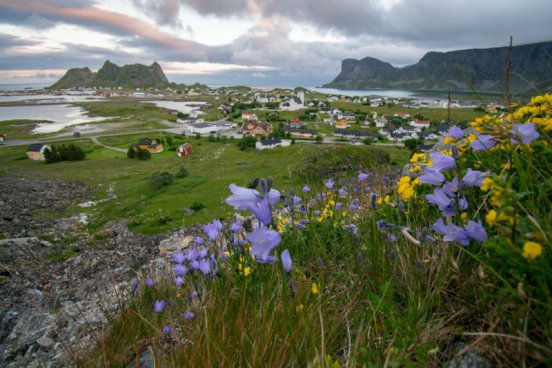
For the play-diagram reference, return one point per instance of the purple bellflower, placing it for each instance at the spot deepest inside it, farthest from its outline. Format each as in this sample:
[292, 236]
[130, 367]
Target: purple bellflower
[134, 287]
[262, 242]
[456, 132]
[329, 183]
[341, 192]
[476, 231]
[158, 306]
[180, 270]
[178, 281]
[167, 330]
[188, 316]
[483, 142]
[178, 257]
[524, 133]
[432, 176]
[149, 281]
[474, 178]
[442, 161]
[286, 261]
[305, 189]
[362, 176]
[441, 200]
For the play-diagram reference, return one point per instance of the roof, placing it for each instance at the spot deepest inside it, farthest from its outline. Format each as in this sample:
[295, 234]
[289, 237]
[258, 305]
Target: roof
[424, 122]
[297, 100]
[270, 142]
[145, 141]
[252, 125]
[297, 130]
[35, 147]
[354, 133]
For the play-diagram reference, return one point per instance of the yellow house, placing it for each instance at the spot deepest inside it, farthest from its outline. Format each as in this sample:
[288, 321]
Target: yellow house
[148, 144]
[341, 124]
[35, 151]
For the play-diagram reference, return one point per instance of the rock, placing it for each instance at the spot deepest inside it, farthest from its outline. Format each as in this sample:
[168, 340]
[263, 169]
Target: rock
[471, 359]
[171, 245]
[145, 360]
[45, 342]
[29, 328]
[36, 294]
[188, 212]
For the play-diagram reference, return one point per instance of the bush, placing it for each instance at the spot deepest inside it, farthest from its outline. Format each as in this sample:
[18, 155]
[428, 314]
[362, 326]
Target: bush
[131, 153]
[197, 206]
[160, 179]
[247, 143]
[143, 154]
[182, 173]
[64, 152]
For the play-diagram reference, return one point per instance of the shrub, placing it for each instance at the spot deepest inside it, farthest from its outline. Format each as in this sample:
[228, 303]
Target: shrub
[247, 143]
[160, 179]
[143, 154]
[182, 172]
[197, 206]
[131, 153]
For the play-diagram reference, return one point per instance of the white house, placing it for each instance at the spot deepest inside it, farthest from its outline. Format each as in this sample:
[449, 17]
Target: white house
[294, 102]
[212, 127]
[420, 123]
[249, 116]
[271, 143]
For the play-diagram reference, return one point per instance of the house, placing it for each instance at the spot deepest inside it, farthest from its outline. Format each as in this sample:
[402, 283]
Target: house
[420, 123]
[312, 112]
[271, 143]
[381, 122]
[256, 128]
[184, 150]
[294, 103]
[2, 137]
[249, 116]
[295, 123]
[341, 124]
[301, 133]
[211, 127]
[349, 116]
[148, 144]
[35, 151]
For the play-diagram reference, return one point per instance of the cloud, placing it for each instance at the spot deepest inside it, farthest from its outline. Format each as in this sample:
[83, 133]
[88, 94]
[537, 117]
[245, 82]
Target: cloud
[164, 12]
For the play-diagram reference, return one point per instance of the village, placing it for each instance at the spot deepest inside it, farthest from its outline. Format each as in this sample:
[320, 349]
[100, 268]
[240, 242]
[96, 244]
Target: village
[281, 117]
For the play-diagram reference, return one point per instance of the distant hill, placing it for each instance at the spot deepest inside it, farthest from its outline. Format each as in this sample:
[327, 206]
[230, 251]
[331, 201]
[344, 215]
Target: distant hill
[480, 69]
[112, 75]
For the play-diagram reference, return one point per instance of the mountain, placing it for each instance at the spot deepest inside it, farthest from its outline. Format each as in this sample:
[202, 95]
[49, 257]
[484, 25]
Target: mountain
[112, 75]
[462, 70]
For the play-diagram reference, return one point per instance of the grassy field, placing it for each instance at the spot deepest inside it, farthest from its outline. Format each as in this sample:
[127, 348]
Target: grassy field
[211, 167]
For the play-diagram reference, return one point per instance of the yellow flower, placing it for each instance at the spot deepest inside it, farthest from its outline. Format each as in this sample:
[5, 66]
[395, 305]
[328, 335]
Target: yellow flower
[379, 201]
[386, 199]
[464, 216]
[314, 288]
[247, 271]
[487, 184]
[493, 217]
[532, 250]
[299, 308]
[240, 267]
[448, 140]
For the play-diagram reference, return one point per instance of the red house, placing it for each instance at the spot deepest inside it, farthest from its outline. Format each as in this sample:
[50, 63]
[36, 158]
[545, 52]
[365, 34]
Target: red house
[184, 150]
[2, 137]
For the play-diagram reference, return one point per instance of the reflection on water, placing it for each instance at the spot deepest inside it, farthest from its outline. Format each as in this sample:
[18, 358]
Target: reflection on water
[185, 107]
[59, 115]
[365, 92]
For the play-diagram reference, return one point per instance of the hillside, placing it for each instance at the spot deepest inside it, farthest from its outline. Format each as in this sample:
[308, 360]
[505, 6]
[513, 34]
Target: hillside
[481, 69]
[112, 75]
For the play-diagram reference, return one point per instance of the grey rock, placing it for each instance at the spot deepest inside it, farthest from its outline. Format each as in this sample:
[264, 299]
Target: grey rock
[45, 342]
[36, 294]
[471, 359]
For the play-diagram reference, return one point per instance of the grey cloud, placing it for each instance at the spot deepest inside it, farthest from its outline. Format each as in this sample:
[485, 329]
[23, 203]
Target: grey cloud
[221, 8]
[164, 12]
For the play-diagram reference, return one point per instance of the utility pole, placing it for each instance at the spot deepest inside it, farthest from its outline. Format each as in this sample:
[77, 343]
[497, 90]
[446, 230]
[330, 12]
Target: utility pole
[508, 75]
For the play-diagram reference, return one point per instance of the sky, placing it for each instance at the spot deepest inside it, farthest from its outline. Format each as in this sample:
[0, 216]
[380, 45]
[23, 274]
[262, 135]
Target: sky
[251, 42]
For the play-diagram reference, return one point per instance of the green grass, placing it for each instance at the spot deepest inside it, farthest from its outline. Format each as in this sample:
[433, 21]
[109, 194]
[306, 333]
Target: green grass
[212, 167]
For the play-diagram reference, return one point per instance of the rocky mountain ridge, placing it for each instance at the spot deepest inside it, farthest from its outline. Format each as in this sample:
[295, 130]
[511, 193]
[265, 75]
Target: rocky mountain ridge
[461, 70]
[112, 75]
